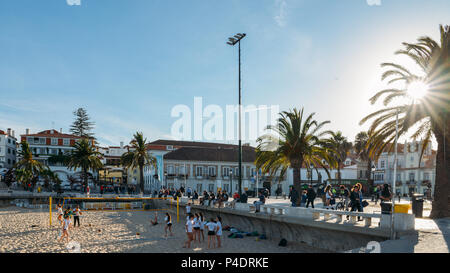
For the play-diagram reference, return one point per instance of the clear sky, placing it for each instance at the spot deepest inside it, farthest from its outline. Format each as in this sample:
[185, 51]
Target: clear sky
[129, 62]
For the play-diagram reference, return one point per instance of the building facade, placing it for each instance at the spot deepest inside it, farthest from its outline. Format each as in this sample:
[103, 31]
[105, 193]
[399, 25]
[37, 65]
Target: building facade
[8, 149]
[412, 177]
[49, 143]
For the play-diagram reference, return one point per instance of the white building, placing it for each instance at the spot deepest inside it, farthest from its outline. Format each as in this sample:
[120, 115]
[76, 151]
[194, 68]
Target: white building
[8, 149]
[49, 143]
[410, 176]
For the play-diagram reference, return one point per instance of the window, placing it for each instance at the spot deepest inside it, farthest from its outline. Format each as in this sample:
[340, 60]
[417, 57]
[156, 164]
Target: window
[9, 150]
[54, 141]
[236, 171]
[66, 141]
[169, 147]
[9, 161]
[170, 170]
[211, 187]
[182, 170]
[211, 171]
[42, 140]
[9, 140]
[412, 158]
[253, 172]
[226, 171]
[382, 164]
[199, 170]
[412, 176]
[426, 176]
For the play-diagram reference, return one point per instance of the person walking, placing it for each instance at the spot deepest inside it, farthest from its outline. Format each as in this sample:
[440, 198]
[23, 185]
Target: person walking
[355, 201]
[293, 196]
[310, 196]
[328, 196]
[303, 199]
[386, 196]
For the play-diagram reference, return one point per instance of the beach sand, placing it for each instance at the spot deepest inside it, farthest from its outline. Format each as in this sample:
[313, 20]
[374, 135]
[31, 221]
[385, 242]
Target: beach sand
[28, 231]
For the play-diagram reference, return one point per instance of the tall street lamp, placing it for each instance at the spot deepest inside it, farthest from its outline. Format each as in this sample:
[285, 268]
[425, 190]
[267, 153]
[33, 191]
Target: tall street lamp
[236, 39]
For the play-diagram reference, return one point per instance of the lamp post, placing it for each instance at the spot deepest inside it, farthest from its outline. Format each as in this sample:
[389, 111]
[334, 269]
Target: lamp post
[236, 39]
[395, 177]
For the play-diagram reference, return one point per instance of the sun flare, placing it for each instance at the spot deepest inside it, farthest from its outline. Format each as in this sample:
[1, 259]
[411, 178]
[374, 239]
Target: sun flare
[417, 89]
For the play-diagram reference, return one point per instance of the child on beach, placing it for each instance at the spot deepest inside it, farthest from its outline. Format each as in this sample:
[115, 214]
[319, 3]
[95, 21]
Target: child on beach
[155, 222]
[168, 220]
[60, 213]
[211, 225]
[219, 231]
[66, 225]
[189, 229]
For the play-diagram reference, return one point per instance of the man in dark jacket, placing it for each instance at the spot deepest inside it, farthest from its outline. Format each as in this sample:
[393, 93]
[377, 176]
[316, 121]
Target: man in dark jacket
[310, 196]
[293, 196]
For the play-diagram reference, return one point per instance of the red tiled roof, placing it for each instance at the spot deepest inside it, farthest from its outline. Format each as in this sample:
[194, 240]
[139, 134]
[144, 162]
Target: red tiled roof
[48, 133]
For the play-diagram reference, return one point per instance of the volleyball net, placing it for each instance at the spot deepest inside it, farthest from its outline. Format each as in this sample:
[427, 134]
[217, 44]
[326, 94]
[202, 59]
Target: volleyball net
[105, 204]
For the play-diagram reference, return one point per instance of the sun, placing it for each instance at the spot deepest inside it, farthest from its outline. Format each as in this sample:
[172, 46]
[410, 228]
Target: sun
[417, 89]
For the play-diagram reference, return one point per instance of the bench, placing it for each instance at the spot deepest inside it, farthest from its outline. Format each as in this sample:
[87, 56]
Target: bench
[367, 217]
[273, 209]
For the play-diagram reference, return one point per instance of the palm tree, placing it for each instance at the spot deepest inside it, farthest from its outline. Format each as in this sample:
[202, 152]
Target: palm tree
[85, 157]
[138, 157]
[362, 148]
[430, 114]
[340, 147]
[28, 169]
[50, 176]
[298, 143]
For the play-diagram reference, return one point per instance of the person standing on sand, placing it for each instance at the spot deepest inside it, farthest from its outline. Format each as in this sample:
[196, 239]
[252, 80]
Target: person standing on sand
[155, 222]
[197, 224]
[76, 217]
[60, 214]
[219, 231]
[211, 225]
[168, 220]
[66, 225]
[202, 226]
[189, 230]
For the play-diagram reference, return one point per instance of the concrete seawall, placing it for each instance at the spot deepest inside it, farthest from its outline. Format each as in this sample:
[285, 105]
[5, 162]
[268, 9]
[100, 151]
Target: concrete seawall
[296, 230]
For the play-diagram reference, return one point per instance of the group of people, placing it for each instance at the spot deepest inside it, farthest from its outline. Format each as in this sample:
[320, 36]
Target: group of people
[64, 218]
[196, 225]
[307, 197]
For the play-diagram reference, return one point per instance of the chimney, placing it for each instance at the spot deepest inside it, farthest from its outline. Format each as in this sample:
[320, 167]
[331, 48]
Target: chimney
[13, 133]
[121, 145]
[60, 130]
[9, 131]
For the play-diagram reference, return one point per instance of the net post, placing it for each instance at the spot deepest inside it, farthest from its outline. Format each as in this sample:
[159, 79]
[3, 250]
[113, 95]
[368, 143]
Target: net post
[178, 209]
[50, 207]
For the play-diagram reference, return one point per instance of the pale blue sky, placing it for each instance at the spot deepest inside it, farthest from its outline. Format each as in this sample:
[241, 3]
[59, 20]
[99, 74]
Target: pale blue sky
[129, 62]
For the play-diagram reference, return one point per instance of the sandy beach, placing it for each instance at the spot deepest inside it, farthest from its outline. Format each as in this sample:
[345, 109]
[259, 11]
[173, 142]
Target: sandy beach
[28, 231]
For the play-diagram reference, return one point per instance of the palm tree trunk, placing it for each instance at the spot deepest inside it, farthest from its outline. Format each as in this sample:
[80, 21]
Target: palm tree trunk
[85, 177]
[440, 206]
[141, 178]
[369, 173]
[339, 175]
[297, 182]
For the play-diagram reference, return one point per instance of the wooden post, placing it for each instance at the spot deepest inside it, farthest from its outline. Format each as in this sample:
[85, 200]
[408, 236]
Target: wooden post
[178, 209]
[50, 207]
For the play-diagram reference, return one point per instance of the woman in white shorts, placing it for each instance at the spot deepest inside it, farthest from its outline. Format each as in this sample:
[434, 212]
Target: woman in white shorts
[211, 225]
[189, 230]
[168, 220]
